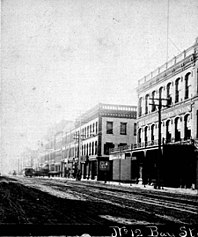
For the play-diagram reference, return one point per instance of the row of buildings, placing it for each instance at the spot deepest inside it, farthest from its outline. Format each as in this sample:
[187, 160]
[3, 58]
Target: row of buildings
[154, 142]
[86, 145]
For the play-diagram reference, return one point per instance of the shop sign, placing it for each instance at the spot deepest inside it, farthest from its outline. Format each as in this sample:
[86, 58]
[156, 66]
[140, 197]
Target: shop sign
[119, 155]
[104, 165]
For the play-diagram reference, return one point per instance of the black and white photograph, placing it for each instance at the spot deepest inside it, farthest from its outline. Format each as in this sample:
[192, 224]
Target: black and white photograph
[99, 118]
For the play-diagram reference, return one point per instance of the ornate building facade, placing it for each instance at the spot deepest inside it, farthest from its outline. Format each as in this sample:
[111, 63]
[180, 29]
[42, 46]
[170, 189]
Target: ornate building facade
[174, 87]
[166, 147]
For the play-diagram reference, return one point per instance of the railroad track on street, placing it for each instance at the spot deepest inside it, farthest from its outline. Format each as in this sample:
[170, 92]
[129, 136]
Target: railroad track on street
[175, 207]
[154, 207]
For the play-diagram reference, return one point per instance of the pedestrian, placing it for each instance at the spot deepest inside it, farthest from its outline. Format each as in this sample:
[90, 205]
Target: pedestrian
[78, 175]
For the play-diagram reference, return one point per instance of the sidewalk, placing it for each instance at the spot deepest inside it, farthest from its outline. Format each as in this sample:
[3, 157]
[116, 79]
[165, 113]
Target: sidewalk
[141, 186]
[186, 191]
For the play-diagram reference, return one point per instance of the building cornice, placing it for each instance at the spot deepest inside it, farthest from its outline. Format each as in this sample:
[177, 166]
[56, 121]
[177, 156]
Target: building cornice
[107, 110]
[176, 65]
[175, 110]
[169, 73]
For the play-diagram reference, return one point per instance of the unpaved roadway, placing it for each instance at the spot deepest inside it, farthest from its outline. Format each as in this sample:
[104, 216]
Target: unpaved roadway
[56, 201]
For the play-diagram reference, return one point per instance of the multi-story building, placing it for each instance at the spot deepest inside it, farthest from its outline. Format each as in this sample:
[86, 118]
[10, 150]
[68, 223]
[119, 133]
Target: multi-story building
[85, 146]
[69, 150]
[167, 123]
[98, 130]
[52, 149]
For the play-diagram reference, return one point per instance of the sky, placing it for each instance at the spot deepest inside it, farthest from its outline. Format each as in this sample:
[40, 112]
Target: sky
[61, 57]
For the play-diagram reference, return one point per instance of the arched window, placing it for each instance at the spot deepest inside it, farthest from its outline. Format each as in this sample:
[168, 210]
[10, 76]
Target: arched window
[168, 131]
[187, 86]
[152, 133]
[82, 149]
[87, 131]
[187, 127]
[177, 129]
[87, 149]
[146, 103]
[153, 101]
[160, 91]
[92, 148]
[96, 148]
[139, 135]
[168, 93]
[146, 135]
[177, 90]
[140, 107]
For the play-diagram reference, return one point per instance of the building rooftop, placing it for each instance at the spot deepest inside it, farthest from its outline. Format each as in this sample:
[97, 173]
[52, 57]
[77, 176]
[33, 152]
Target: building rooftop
[169, 64]
[101, 107]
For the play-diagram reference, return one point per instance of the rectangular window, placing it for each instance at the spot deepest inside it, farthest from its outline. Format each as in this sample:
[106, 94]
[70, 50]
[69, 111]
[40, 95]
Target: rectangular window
[123, 128]
[107, 147]
[96, 128]
[122, 145]
[109, 128]
[87, 131]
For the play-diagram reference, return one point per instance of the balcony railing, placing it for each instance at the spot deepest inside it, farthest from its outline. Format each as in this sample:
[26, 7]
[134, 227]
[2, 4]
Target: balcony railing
[134, 146]
[120, 148]
[181, 141]
[167, 65]
[152, 143]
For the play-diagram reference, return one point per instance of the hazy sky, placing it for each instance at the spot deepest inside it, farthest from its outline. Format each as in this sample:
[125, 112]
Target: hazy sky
[60, 57]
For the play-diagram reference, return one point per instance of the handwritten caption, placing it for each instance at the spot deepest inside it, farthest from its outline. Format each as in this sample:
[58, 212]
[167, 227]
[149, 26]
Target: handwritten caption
[153, 231]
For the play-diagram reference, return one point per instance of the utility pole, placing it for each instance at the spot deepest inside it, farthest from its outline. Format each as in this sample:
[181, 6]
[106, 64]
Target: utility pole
[158, 183]
[158, 162]
[77, 137]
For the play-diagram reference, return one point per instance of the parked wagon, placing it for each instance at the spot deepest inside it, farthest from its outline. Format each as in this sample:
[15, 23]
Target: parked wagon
[28, 172]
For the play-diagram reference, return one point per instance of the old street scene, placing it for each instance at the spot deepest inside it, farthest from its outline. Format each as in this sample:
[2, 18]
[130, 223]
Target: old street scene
[99, 125]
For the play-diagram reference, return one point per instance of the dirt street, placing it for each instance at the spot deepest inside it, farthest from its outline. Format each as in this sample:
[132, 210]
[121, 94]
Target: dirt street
[42, 201]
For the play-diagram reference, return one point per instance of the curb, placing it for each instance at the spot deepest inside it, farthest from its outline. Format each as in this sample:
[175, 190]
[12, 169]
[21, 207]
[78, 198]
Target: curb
[140, 186]
[148, 187]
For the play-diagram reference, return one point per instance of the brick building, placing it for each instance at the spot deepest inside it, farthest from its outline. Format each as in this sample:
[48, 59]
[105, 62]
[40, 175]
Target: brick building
[102, 128]
[166, 148]
[85, 146]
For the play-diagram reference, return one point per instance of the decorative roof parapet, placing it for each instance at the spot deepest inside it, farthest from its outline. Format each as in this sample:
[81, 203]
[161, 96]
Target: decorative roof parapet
[186, 53]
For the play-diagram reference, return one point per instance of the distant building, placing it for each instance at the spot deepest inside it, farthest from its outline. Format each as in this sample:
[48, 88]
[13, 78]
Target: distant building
[28, 159]
[51, 149]
[85, 146]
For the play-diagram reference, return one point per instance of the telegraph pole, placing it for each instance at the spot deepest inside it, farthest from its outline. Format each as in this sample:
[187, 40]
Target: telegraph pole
[159, 142]
[158, 162]
[78, 165]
